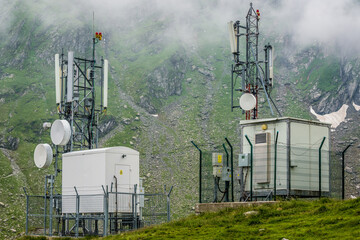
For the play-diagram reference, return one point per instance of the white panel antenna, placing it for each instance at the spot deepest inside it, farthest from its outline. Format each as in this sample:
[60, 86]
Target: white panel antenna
[271, 63]
[70, 77]
[43, 155]
[233, 42]
[57, 80]
[247, 101]
[88, 73]
[106, 76]
[60, 132]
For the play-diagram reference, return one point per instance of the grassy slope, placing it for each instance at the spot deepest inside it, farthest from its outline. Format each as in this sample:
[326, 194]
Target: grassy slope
[296, 219]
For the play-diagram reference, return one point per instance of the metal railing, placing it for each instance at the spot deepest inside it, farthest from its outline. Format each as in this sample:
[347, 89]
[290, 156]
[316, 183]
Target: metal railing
[275, 171]
[94, 214]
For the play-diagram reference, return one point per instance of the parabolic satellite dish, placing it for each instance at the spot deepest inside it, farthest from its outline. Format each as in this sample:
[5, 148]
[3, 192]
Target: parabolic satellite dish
[43, 155]
[60, 132]
[247, 101]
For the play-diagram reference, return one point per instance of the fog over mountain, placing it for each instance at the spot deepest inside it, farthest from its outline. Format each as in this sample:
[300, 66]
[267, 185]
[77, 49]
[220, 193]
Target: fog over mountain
[332, 24]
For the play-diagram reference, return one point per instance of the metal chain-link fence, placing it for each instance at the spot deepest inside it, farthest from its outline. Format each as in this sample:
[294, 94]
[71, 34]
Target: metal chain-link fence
[300, 172]
[96, 214]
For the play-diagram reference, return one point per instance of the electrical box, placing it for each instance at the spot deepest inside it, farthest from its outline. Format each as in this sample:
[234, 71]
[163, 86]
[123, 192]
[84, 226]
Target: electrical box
[217, 171]
[244, 160]
[217, 163]
[217, 159]
[141, 194]
[91, 170]
[141, 197]
[237, 174]
[226, 174]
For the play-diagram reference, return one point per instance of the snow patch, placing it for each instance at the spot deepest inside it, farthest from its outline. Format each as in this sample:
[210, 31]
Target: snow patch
[335, 118]
[357, 107]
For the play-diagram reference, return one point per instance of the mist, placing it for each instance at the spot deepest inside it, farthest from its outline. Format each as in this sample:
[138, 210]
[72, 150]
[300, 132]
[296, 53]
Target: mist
[332, 24]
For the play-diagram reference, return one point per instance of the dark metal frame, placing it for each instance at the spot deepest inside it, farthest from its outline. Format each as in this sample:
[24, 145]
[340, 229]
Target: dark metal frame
[82, 112]
[320, 166]
[253, 77]
[274, 193]
[128, 221]
[200, 164]
[275, 160]
[343, 171]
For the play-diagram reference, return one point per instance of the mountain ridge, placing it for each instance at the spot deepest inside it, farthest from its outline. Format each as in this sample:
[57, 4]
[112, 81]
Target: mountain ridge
[166, 88]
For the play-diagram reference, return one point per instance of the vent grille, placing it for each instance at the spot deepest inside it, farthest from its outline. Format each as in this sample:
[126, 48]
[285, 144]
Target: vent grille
[260, 138]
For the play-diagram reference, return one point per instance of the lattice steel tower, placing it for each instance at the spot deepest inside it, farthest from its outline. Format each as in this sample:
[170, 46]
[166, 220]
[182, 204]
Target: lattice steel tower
[76, 96]
[255, 75]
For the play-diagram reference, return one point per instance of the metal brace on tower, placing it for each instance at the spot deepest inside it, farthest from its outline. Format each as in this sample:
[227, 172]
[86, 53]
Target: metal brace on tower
[254, 75]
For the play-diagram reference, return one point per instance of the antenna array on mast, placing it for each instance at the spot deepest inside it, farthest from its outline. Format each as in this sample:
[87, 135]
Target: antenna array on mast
[75, 84]
[254, 78]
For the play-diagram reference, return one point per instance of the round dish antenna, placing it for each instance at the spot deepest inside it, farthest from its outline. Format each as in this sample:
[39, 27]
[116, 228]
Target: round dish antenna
[43, 155]
[247, 101]
[60, 132]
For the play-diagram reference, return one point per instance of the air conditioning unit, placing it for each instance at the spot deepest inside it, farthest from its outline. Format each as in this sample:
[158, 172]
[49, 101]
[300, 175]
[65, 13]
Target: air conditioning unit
[261, 160]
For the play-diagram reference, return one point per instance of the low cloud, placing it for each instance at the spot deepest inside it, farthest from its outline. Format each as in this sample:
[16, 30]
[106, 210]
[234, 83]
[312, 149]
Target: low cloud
[331, 23]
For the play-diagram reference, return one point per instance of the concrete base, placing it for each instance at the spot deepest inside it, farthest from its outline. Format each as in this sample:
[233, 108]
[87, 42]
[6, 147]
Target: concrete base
[215, 207]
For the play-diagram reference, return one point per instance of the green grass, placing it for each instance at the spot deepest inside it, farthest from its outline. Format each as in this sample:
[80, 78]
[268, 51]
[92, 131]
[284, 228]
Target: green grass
[324, 73]
[295, 219]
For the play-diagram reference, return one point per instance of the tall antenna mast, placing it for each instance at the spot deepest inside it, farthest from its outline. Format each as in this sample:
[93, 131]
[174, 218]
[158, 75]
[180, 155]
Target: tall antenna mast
[254, 77]
[76, 96]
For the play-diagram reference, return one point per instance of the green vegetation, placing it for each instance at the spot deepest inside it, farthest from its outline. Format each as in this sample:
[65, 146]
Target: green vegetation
[322, 73]
[295, 219]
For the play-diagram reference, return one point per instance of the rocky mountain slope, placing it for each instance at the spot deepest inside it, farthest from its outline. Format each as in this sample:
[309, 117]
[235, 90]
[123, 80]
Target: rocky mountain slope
[170, 84]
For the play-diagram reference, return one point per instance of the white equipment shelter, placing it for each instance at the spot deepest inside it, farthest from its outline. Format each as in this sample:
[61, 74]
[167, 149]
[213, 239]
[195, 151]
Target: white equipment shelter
[91, 170]
[297, 155]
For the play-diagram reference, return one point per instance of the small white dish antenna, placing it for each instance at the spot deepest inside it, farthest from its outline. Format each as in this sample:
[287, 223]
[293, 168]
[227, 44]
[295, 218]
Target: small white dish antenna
[60, 132]
[247, 101]
[46, 125]
[43, 155]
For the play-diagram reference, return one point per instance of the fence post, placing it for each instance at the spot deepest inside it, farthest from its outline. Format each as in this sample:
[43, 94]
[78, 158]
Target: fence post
[275, 159]
[226, 182]
[135, 207]
[51, 205]
[168, 203]
[320, 165]
[27, 212]
[343, 171]
[77, 213]
[106, 209]
[45, 203]
[232, 168]
[200, 163]
[251, 168]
